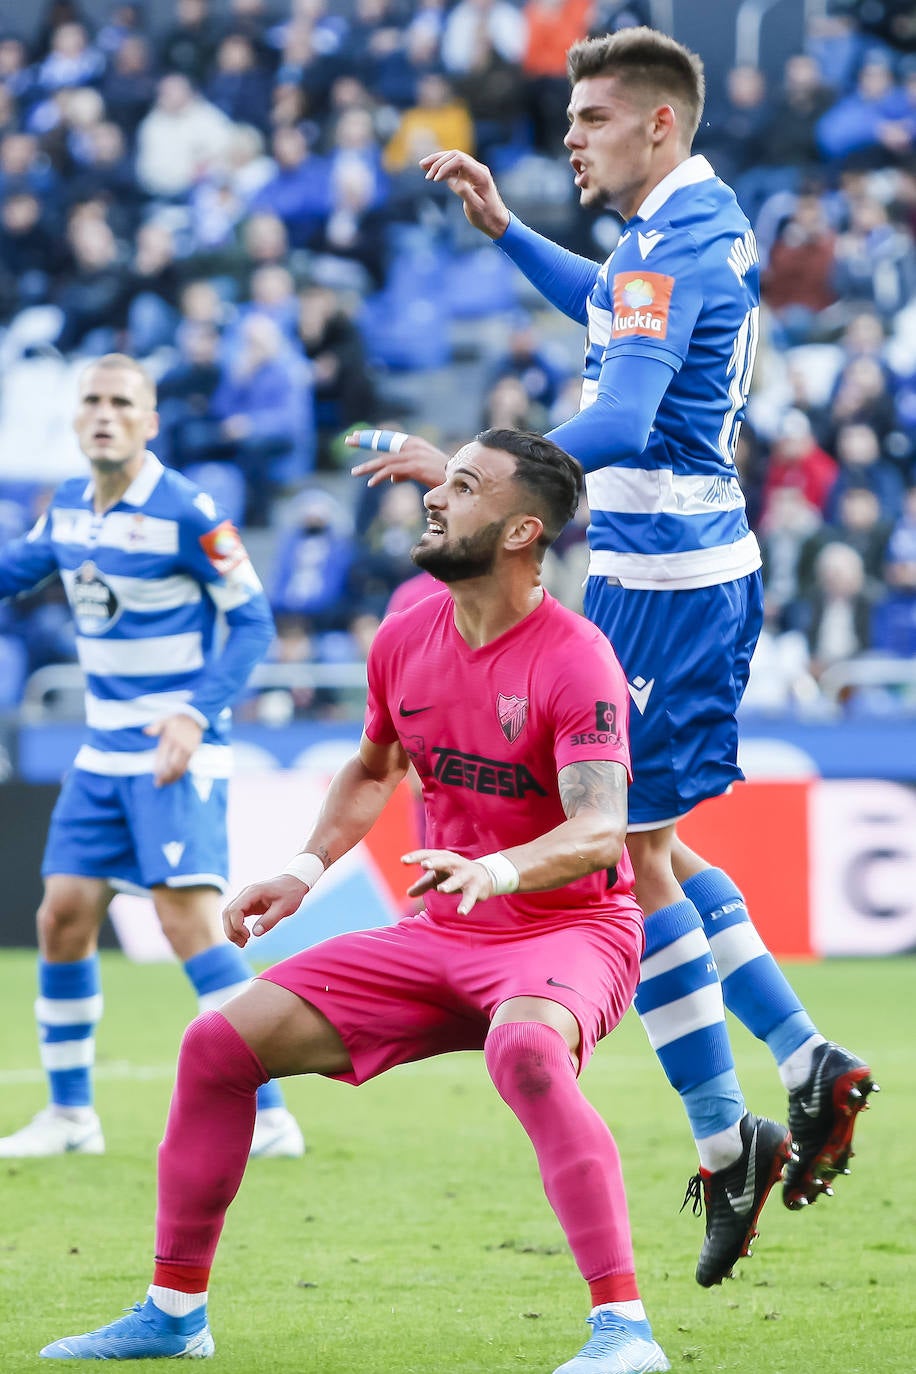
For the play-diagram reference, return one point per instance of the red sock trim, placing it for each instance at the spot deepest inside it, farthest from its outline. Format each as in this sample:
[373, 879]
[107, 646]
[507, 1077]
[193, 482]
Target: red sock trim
[184, 1278]
[613, 1288]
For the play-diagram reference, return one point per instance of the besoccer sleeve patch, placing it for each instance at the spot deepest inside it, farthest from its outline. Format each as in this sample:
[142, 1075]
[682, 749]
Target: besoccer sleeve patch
[642, 303]
[224, 548]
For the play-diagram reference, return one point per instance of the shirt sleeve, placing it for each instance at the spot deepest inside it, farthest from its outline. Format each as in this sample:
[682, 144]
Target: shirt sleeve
[591, 707]
[654, 311]
[26, 562]
[214, 553]
[563, 278]
[619, 421]
[379, 724]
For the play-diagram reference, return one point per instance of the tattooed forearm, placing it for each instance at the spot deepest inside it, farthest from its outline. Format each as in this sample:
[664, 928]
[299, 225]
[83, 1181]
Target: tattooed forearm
[596, 786]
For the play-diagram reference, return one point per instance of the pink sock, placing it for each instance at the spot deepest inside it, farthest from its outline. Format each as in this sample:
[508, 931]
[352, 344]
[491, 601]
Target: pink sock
[207, 1138]
[580, 1167]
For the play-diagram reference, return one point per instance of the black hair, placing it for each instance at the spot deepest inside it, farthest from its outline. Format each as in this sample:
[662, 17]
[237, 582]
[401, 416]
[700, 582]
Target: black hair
[548, 473]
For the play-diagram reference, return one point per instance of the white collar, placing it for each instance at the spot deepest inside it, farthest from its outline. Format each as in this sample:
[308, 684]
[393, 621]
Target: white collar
[686, 173]
[141, 488]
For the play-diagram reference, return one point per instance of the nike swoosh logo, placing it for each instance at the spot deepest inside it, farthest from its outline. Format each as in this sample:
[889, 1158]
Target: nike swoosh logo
[742, 1201]
[413, 711]
[552, 983]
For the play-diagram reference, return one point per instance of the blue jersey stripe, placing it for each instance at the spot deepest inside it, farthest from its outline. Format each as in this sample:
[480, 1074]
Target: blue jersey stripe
[626, 533]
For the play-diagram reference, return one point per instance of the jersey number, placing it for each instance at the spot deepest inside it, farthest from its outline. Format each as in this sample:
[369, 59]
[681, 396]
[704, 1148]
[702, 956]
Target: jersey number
[740, 370]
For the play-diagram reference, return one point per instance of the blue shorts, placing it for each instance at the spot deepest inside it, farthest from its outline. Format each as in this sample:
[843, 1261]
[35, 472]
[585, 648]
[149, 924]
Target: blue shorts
[133, 834]
[686, 655]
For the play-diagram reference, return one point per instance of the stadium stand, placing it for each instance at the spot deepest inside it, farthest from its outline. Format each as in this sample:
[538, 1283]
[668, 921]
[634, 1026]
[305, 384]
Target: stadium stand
[230, 191]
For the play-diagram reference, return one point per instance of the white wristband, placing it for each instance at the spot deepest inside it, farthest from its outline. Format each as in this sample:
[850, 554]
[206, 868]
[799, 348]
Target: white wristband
[308, 868]
[503, 873]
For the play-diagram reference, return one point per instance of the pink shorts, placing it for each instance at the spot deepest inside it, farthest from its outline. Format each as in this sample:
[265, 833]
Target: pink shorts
[416, 989]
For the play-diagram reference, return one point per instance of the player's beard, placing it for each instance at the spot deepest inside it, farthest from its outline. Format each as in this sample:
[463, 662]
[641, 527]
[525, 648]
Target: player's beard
[472, 556]
[104, 466]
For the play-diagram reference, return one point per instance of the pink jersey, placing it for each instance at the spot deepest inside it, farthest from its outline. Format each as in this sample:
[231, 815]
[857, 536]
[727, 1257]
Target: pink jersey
[415, 589]
[489, 729]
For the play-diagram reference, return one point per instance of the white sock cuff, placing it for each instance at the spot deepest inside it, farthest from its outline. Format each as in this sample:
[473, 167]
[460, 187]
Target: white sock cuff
[633, 1310]
[718, 1151]
[173, 1303]
[795, 1069]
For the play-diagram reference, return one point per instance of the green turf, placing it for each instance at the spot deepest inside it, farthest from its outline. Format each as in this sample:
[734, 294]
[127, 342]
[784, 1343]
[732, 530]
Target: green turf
[414, 1237]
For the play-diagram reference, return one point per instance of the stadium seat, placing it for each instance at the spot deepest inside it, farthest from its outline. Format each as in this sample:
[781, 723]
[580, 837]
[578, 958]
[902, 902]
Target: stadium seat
[480, 283]
[406, 331]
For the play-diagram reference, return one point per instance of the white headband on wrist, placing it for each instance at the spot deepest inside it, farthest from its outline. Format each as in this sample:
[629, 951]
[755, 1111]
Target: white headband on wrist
[503, 874]
[308, 868]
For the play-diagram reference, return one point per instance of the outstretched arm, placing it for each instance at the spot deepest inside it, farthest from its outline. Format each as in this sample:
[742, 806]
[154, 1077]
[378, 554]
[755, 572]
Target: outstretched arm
[563, 278]
[473, 182]
[594, 798]
[353, 802]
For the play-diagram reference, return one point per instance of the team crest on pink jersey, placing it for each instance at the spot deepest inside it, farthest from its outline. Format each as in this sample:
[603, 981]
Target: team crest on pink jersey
[512, 712]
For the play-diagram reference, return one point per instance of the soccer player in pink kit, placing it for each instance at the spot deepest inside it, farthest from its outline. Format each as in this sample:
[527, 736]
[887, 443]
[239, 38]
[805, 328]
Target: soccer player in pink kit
[514, 712]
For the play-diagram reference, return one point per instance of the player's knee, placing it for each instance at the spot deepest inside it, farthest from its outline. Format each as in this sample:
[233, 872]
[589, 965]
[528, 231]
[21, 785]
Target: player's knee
[650, 852]
[171, 929]
[189, 919]
[202, 1048]
[516, 1063]
[65, 932]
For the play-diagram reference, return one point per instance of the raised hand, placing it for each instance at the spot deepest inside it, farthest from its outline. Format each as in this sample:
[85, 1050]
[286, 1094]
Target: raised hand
[397, 457]
[473, 182]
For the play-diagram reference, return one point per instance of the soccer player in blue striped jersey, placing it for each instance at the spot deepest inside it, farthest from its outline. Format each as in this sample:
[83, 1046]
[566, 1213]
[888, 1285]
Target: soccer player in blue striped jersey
[148, 565]
[672, 324]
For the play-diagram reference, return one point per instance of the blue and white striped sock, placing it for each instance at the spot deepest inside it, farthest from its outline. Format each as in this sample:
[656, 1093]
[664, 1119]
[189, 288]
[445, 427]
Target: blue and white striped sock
[217, 974]
[753, 986]
[679, 1002]
[68, 1009]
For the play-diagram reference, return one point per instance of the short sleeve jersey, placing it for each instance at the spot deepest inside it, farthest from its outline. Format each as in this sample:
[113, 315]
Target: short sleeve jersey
[489, 729]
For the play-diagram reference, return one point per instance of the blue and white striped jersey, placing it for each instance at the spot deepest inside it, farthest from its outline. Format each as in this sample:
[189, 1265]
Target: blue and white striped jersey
[683, 285]
[145, 581]
[658, 444]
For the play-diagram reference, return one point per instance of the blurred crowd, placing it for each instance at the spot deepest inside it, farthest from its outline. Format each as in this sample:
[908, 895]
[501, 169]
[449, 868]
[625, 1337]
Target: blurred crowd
[235, 198]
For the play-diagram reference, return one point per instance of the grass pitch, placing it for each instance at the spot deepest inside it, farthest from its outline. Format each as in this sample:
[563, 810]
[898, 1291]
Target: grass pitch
[414, 1237]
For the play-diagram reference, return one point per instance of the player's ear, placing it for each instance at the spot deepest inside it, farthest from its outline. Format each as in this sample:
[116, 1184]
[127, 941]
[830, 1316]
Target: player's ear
[523, 531]
[664, 123]
[152, 424]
